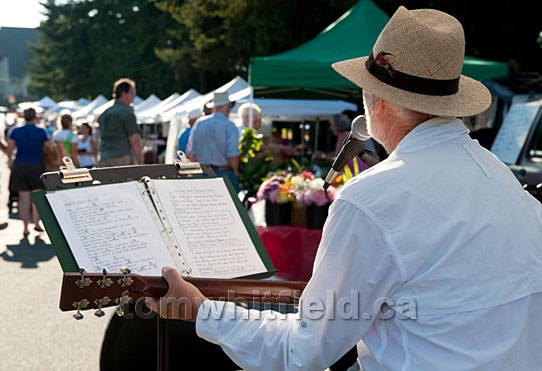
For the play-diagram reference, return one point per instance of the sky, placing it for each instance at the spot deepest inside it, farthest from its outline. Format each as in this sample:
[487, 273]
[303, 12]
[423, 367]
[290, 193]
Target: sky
[20, 13]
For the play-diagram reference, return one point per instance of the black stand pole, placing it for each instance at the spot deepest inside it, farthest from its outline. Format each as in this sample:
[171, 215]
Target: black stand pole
[162, 343]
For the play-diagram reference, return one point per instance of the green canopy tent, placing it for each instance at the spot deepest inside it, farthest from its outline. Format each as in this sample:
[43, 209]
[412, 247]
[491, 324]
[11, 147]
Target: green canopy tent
[306, 71]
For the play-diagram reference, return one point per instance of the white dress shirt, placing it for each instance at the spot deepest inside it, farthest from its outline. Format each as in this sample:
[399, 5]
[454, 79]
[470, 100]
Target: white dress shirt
[430, 260]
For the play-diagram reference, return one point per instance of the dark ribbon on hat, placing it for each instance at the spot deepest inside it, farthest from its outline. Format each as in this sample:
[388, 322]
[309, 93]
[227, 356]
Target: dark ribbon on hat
[381, 68]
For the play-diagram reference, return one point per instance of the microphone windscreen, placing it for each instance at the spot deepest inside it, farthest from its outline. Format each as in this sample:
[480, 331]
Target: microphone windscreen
[359, 128]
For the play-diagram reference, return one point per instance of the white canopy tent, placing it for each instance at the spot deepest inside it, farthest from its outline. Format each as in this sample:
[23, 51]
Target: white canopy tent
[46, 102]
[68, 105]
[89, 109]
[292, 108]
[168, 111]
[149, 116]
[99, 110]
[177, 117]
[151, 101]
[241, 92]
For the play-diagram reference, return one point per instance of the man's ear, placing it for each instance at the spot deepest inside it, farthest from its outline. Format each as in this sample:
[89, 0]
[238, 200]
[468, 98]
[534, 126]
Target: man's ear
[379, 105]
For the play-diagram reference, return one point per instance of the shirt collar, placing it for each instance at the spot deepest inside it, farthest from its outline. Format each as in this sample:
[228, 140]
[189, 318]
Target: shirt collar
[431, 132]
[219, 114]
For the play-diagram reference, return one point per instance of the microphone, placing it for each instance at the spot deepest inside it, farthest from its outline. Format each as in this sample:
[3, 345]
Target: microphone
[353, 146]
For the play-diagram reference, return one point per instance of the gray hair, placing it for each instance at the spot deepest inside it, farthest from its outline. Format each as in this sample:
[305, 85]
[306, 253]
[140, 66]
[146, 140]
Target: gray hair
[245, 107]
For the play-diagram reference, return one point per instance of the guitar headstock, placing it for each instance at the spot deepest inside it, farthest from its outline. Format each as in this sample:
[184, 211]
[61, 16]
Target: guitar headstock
[83, 291]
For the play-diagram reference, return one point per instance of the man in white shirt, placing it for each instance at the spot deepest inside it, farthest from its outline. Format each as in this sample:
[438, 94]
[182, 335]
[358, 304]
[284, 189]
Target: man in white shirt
[429, 260]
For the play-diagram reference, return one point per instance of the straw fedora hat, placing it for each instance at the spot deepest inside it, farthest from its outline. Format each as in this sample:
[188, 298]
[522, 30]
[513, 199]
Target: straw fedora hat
[416, 63]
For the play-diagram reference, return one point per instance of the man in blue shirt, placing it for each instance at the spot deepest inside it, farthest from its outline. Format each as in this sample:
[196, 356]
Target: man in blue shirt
[214, 140]
[193, 115]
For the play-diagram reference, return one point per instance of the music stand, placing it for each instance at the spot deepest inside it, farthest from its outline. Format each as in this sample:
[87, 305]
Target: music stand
[68, 177]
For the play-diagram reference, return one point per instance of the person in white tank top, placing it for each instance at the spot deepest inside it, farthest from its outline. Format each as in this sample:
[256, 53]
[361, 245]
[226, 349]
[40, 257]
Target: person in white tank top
[86, 146]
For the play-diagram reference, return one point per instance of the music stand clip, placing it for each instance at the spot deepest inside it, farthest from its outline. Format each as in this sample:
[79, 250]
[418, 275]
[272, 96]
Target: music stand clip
[70, 174]
[184, 166]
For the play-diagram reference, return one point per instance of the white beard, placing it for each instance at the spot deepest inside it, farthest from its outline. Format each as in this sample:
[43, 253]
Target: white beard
[372, 126]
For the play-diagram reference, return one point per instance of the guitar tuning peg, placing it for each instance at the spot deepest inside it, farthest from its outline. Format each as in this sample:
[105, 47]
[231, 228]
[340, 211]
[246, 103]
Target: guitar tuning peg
[78, 315]
[125, 280]
[83, 281]
[104, 282]
[123, 300]
[78, 305]
[100, 303]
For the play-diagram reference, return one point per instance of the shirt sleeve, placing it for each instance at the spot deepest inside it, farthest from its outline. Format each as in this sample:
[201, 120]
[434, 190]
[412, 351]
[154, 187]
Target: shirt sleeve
[191, 145]
[232, 140]
[130, 123]
[354, 269]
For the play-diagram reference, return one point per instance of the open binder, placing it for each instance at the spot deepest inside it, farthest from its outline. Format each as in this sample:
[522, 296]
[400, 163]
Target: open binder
[146, 217]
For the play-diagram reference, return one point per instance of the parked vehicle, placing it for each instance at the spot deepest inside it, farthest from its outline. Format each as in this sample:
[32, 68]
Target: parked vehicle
[526, 162]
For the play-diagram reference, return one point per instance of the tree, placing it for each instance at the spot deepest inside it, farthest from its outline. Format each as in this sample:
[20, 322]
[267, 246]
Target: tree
[174, 45]
[86, 45]
[216, 38]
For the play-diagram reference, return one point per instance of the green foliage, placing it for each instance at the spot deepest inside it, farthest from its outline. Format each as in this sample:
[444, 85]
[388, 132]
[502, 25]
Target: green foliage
[172, 45]
[217, 38]
[84, 46]
[166, 46]
[254, 165]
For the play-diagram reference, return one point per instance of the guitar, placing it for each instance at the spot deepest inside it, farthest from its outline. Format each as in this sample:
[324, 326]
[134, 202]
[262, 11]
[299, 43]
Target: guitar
[83, 291]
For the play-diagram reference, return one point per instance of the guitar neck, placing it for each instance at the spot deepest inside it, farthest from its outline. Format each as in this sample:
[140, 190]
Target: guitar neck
[95, 290]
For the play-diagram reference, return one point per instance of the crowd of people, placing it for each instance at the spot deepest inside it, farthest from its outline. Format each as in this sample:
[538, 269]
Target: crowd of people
[35, 146]
[32, 146]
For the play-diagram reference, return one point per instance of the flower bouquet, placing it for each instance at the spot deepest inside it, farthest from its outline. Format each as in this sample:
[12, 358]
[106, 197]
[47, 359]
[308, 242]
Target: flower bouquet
[278, 193]
[316, 200]
[312, 192]
[277, 189]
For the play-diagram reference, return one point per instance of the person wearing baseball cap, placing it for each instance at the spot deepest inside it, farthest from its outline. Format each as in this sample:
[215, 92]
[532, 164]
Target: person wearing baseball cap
[429, 260]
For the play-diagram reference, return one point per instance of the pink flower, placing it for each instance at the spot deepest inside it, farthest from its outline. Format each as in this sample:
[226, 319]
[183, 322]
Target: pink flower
[314, 193]
[276, 189]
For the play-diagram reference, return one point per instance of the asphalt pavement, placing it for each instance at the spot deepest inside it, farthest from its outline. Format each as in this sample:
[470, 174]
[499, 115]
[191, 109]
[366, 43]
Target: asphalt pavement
[34, 333]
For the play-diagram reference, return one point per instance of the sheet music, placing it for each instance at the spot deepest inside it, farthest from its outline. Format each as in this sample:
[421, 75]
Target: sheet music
[109, 226]
[208, 227]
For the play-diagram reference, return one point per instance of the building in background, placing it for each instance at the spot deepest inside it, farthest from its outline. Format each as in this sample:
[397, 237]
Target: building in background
[15, 56]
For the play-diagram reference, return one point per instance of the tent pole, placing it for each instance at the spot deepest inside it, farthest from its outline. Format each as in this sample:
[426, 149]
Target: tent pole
[250, 114]
[316, 135]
